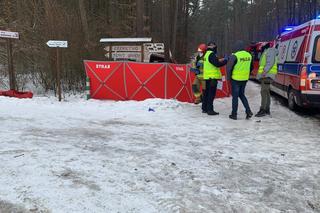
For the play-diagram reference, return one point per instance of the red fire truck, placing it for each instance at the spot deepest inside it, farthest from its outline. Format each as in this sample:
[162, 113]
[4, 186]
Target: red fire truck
[256, 51]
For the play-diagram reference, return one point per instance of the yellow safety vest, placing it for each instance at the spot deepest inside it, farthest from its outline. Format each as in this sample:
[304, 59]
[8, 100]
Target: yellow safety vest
[262, 64]
[209, 70]
[241, 71]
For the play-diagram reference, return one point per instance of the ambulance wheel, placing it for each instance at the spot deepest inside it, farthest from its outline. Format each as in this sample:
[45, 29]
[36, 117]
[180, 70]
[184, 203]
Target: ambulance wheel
[291, 100]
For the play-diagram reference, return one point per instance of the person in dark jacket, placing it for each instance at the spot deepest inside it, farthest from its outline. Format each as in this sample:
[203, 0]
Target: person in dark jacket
[238, 71]
[211, 75]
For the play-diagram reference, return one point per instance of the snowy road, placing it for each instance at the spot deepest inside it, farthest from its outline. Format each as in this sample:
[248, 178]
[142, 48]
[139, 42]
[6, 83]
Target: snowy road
[93, 156]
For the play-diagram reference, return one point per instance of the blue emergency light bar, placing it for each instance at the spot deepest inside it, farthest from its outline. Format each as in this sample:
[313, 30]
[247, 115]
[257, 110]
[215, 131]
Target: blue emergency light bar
[288, 28]
[318, 17]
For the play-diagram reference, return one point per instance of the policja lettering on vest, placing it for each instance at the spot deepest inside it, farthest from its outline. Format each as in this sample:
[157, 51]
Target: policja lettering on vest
[238, 69]
[241, 71]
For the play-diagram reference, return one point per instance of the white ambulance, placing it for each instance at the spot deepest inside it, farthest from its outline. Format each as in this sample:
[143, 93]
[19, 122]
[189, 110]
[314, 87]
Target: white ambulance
[298, 77]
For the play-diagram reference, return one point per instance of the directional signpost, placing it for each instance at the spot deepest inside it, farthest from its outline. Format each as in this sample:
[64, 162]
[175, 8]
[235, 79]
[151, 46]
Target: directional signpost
[8, 35]
[58, 44]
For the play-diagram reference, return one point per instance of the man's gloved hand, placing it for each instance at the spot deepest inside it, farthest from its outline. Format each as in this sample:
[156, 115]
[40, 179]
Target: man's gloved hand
[195, 70]
[221, 60]
[199, 64]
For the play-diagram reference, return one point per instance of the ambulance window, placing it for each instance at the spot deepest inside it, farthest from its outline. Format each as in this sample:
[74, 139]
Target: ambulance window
[316, 51]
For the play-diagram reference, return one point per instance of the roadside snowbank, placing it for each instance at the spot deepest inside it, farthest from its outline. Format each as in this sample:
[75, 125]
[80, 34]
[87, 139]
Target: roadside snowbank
[156, 156]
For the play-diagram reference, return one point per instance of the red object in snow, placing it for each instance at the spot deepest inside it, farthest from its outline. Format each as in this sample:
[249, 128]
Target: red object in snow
[16, 94]
[139, 81]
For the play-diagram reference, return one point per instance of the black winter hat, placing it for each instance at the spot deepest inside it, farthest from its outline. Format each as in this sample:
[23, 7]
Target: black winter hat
[238, 45]
[210, 43]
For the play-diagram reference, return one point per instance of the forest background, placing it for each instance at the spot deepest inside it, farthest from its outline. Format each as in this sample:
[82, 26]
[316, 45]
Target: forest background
[180, 24]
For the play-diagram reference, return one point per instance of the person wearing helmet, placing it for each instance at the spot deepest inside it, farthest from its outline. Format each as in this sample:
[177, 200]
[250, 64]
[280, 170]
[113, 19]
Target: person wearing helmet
[211, 75]
[198, 85]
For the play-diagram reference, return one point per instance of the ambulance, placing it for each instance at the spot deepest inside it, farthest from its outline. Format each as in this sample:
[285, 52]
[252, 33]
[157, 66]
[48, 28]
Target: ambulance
[298, 77]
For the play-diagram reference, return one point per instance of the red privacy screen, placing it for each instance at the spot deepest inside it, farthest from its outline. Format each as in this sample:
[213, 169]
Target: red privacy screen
[122, 81]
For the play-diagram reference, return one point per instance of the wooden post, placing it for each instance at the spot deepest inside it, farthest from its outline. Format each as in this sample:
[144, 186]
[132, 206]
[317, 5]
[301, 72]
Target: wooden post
[58, 75]
[58, 44]
[12, 77]
[8, 35]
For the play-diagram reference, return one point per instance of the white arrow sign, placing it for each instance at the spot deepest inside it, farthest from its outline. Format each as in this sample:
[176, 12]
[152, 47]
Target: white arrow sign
[8, 34]
[55, 43]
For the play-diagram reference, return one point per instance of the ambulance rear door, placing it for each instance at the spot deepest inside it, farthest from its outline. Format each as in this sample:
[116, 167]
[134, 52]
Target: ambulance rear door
[291, 56]
[314, 63]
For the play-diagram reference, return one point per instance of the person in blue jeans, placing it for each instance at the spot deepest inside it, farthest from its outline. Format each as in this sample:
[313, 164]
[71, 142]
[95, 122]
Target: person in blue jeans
[238, 71]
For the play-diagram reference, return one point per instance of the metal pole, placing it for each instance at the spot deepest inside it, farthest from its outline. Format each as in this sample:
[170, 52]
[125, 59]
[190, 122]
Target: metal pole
[58, 75]
[12, 78]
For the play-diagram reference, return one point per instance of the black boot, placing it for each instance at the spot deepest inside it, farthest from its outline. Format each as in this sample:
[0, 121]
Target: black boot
[261, 113]
[233, 117]
[268, 112]
[249, 115]
[212, 113]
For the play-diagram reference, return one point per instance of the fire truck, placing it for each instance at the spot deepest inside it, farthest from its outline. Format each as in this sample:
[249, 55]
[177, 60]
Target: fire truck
[256, 51]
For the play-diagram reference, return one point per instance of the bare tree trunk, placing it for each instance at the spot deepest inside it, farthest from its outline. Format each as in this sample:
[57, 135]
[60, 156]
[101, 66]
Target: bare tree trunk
[84, 21]
[294, 11]
[186, 28]
[165, 28]
[50, 19]
[139, 17]
[175, 28]
[288, 11]
[314, 6]
[52, 34]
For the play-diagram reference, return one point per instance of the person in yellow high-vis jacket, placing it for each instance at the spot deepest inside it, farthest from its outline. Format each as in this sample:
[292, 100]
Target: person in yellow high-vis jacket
[238, 71]
[211, 75]
[268, 69]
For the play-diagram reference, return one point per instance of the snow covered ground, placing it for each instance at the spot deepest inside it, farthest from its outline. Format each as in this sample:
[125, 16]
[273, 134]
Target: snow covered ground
[104, 156]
